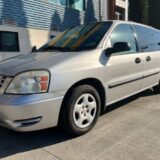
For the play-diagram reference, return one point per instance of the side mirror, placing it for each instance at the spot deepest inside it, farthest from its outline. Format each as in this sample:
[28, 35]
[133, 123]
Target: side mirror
[118, 47]
[121, 47]
[108, 51]
[34, 49]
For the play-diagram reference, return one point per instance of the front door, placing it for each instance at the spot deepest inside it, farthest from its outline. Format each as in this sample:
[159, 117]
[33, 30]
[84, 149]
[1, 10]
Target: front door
[123, 69]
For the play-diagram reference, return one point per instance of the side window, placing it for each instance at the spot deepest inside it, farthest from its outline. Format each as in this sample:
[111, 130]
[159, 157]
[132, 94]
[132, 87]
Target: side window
[148, 38]
[9, 42]
[124, 33]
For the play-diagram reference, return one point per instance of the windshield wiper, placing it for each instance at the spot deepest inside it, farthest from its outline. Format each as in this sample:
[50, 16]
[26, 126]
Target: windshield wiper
[53, 48]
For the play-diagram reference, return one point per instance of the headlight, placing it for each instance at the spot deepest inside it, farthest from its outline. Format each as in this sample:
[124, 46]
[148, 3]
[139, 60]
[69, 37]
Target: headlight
[29, 83]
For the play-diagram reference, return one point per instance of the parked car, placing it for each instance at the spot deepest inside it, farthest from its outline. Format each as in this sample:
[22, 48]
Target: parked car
[73, 78]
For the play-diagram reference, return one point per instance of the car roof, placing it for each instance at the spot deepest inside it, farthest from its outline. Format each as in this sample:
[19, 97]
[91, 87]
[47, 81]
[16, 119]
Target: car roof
[133, 23]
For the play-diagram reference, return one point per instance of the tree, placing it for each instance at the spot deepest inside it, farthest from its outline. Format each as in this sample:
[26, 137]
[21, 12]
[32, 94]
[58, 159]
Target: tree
[154, 17]
[139, 11]
[145, 11]
[135, 11]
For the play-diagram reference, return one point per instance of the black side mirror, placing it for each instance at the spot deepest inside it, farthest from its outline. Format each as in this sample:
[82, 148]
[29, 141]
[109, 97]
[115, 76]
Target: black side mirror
[121, 47]
[34, 49]
[109, 51]
[118, 47]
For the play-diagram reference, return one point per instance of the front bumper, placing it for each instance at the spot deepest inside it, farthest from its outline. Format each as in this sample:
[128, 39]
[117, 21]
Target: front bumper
[29, 112]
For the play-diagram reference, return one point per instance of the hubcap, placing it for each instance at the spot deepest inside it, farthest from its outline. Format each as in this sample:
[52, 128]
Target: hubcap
[84, 110]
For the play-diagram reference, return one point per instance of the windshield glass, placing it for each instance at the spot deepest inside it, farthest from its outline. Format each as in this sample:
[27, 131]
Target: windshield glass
[79, 38]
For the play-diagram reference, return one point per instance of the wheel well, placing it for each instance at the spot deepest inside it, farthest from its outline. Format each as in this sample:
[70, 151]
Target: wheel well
[94, 83]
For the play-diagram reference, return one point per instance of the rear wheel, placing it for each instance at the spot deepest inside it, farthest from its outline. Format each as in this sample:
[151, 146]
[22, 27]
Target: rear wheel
[80, 110]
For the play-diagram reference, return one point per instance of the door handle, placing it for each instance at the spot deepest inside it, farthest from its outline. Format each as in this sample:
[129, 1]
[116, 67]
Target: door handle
[148, 58]
[137, 60]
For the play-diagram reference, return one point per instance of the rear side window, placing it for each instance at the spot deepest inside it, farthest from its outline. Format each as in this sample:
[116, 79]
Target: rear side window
[124, 33]
[148, 38]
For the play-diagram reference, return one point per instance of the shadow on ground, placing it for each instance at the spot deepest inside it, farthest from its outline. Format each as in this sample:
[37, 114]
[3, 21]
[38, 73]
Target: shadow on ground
[15, 142]
[12, 142]
[117, 105]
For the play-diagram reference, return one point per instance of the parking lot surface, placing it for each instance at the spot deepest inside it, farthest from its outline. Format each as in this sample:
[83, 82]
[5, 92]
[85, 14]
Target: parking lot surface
[129, 130]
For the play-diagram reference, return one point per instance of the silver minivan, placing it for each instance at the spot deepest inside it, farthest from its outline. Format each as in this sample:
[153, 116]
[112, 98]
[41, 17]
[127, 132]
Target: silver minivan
[73, 78]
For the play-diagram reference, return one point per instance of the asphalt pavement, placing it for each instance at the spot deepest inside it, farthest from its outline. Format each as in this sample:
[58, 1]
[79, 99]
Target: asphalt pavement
[128, 130]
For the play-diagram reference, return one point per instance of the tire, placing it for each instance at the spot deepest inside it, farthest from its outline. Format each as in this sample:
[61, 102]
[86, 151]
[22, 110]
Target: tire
[156, 88]
[80, 110]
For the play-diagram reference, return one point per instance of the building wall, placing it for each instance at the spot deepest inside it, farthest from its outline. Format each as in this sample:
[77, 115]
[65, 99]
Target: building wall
[28, 37]
[41, 14]
[35, 19]
[121, 3]
[105, 10]
[118, 9]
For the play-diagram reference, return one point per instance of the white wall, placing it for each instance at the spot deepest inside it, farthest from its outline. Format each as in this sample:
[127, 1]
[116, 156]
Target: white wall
[127, 12]
[27, 39]
[123, 4]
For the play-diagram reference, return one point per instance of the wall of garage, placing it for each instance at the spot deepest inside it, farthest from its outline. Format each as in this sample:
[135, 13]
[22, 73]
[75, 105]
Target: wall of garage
[36, 21]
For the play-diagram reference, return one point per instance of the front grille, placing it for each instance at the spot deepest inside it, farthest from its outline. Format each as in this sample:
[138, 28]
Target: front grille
[4, 81]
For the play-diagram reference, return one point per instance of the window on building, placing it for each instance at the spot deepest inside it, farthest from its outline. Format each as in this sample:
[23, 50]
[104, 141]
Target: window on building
[76, 4]
[53, 1]
[63, 2]
[118, 16]
[9, 42]
[119, 13]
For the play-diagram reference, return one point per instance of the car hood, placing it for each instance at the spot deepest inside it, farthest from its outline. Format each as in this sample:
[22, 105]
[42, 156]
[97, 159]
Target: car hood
[38, 60]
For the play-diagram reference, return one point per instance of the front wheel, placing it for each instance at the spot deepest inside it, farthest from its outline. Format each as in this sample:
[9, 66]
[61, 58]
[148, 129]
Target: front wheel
[81, 110]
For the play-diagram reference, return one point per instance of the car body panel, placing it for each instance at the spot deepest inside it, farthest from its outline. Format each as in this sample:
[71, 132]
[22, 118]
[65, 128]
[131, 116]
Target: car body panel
[120, 80]
[31, 61]
[119, 75]
[16, 112]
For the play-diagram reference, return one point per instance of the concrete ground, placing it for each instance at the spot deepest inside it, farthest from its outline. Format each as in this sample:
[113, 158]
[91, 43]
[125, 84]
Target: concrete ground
[129, 130]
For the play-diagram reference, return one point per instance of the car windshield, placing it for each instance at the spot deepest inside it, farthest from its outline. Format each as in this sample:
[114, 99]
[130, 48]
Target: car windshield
[79, 38]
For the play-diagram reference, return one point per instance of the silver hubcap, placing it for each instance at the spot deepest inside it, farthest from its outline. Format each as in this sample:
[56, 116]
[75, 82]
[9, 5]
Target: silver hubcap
[84, 110]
